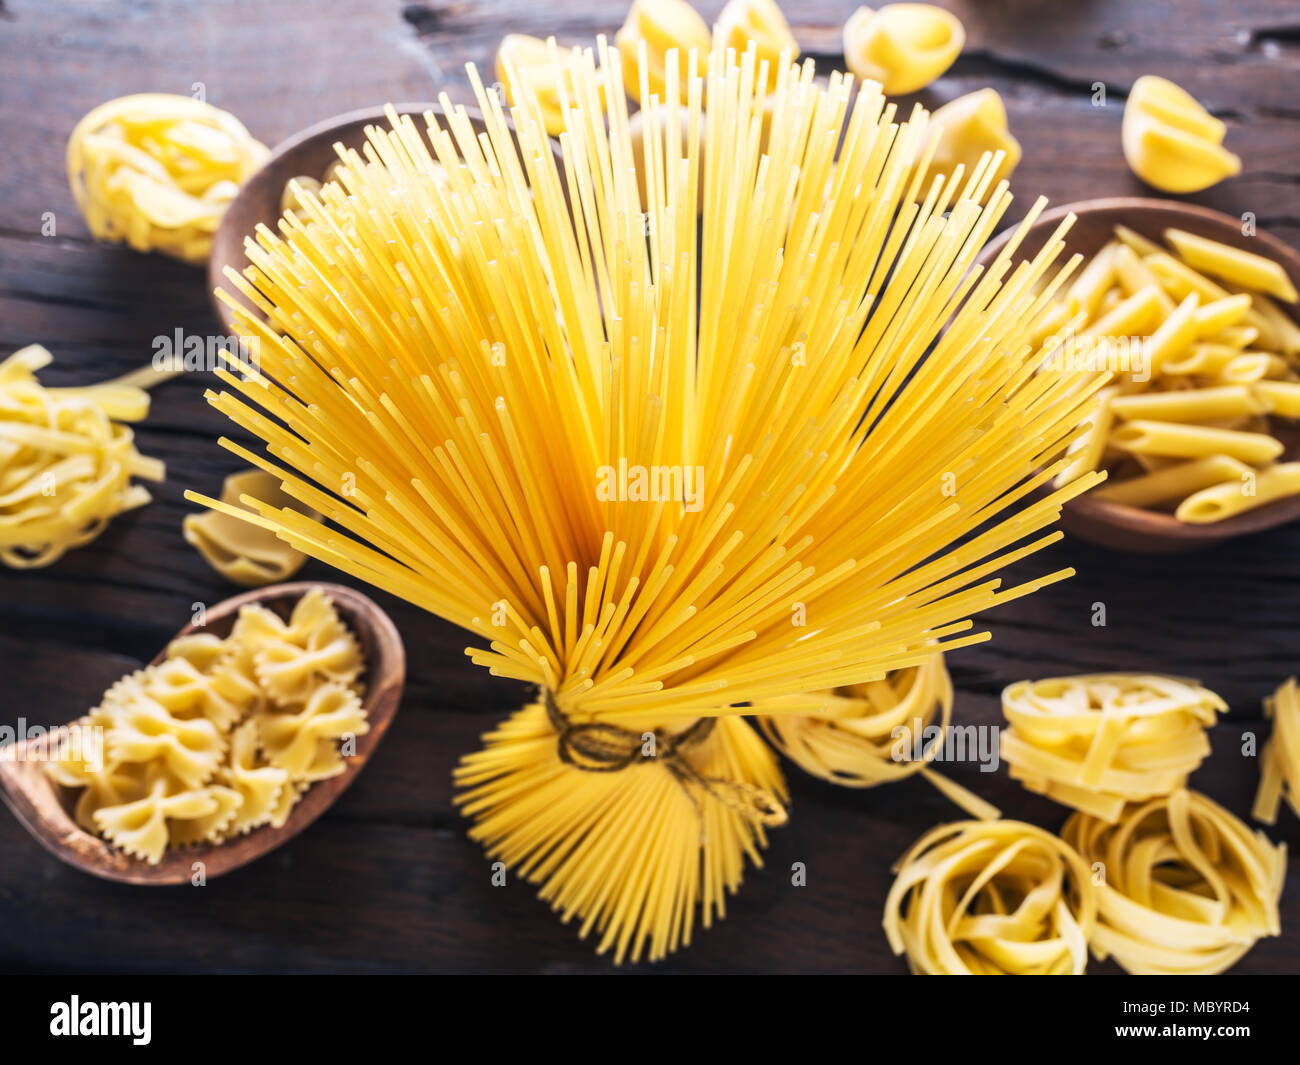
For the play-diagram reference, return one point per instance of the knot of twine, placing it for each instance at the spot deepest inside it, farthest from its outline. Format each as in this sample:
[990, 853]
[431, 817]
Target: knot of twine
[599, 747]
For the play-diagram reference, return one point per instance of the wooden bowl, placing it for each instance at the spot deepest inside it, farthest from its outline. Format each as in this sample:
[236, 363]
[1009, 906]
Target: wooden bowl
[44, 807]
[1115, 525]
[308, 153]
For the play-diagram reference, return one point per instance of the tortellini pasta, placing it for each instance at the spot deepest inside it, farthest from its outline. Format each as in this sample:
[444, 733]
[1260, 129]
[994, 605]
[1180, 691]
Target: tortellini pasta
[1170, 141]
[242, 552]
[157, 171]
[757, 22]
[966, 128]
[661, 25]
[902, 46]
[198, 748]
[67, 460]
[532, 76]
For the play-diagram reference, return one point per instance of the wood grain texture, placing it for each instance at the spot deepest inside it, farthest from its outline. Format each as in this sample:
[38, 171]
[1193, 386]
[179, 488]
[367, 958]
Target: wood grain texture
[386, 880]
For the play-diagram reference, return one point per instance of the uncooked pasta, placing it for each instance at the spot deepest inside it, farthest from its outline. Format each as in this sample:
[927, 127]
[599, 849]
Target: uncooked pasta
[246, 554]
[1279, 761]
[157, 171]
[980, 898]
[969, 126]
[902, 46]
[654, 28]
[1170, 141]
[874, 733]
[1203, 374]
[211, 743]
[1100, 740]
[659, 470]
[1183, 887]
[67, 459]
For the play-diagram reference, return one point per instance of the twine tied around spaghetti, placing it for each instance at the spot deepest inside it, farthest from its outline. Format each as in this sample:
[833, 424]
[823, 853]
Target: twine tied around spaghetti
[599, 747]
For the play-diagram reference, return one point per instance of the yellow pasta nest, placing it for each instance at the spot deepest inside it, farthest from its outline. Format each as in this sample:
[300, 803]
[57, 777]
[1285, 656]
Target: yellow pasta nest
[969, 126]
[869, 734]
[658, 27]
[902, 46]
[200, 747]
[1279, 761]
[66, 460]
[157, 172]
[991, 897]
[529, 70]
[1201, 367]
[759, 23]
[1171, 141]
[248, 555]
[1097, 741]
[1183, 887]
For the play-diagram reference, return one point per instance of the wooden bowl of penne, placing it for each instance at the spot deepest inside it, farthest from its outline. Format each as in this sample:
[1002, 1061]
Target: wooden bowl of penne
[1193, 314]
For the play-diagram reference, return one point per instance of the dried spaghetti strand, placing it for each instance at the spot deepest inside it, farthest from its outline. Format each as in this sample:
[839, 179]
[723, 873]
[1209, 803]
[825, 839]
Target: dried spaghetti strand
[1183, 886]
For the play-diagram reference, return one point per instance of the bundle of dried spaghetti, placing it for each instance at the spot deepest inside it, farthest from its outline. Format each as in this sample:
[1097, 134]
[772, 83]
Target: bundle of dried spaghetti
[157, 171]
[1098, 741]
[66, 459]
[867, 734]
[1279, 761]
[622, 447]
[1183, 887]
[981, 898]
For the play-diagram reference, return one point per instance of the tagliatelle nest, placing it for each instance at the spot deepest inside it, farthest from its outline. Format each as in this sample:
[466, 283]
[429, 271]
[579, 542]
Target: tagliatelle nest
[447, 365]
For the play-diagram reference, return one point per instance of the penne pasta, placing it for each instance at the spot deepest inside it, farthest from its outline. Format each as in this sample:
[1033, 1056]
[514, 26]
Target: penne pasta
[1236, 497]
[1243, 268]
[1172, 483]
[1195, 441]
[1194, 405]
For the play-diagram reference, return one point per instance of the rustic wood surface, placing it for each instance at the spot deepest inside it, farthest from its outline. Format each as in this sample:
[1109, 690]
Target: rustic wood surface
[386, 880]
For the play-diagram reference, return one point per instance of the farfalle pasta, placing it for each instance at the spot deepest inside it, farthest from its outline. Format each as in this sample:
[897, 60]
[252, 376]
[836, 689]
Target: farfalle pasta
[1170, 141]
[1279, 761]
[157, 171]
[902, 46]
[870, 734]
[67, 460]
[1183, 887]
[197, 749]
[659, 26]
[1098, 741]
[981, 898]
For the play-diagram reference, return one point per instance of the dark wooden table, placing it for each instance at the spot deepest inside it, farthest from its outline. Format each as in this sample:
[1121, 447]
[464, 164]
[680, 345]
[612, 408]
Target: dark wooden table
[387, 879]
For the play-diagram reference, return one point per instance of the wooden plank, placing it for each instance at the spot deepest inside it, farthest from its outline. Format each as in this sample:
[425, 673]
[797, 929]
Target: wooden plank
[387, 880]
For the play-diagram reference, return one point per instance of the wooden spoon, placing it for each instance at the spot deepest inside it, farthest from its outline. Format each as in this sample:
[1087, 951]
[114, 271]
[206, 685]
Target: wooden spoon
[1115, 525]
[43, 807]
